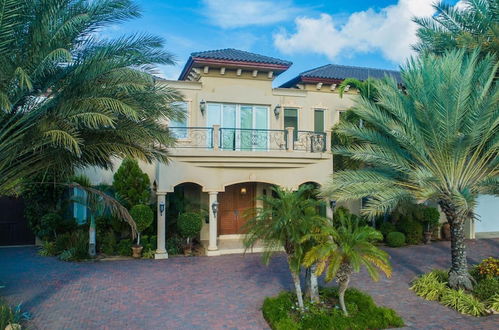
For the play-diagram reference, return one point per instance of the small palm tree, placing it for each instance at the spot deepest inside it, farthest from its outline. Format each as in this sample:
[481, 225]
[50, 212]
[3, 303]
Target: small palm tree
[473, 25]
[281, 223]
[366, 88]
[437, 139]
[342, 251]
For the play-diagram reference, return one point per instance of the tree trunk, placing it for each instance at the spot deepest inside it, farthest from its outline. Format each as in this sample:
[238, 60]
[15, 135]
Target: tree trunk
[343, 278]
[297, 283]
[138, 239]
[459, 277]
[314, 287]
[91, 237]
[308, 282]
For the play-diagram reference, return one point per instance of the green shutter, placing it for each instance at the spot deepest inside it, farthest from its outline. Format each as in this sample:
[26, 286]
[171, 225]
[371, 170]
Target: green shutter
[319, 121]
[291, 120]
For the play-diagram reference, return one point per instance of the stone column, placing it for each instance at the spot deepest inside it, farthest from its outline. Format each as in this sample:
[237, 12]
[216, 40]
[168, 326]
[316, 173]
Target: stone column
[212, 245]
[161, 231]
[216, 137]
[291, 139]
[328, 140]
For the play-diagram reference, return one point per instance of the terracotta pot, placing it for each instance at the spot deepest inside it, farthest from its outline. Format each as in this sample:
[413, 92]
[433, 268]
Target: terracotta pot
[446, 231]
[137, 251]
[427, 237]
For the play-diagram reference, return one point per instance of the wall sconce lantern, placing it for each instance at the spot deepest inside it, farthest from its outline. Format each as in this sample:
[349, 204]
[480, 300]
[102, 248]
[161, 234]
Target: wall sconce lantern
[161, 208]
[332, 204]
[202, 106]
[243, 191]
[277, 111]
[214, 209]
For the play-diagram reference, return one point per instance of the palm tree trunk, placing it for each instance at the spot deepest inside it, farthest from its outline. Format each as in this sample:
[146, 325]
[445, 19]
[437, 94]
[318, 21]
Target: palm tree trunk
[91, 237]
[314, 287]
[343, 278]
[459, 277]
[308, 282]
[297, 282]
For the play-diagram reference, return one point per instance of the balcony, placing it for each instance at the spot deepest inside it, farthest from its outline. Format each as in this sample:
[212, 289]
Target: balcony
[247, 139]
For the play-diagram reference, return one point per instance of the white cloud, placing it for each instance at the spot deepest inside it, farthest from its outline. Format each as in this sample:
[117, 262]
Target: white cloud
[389, 31]
[239, 13]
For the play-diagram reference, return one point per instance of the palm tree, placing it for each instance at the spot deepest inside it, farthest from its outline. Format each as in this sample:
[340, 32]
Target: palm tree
[435, 140]
[75, 100]
[473, 25]
[366, 87]
[341, 252]
[281, 224]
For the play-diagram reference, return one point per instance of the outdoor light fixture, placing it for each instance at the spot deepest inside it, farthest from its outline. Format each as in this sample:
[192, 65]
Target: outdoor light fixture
[243, 191]
[214, 208]
[161, 208]
[332, 204]
[277, 111]
[202, 106]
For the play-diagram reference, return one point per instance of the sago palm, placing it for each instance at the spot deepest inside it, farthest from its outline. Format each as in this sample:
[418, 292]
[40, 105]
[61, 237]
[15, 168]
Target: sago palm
[475, 23]
[344, 250]
[281, 223]
[436, 139]
[84, 100]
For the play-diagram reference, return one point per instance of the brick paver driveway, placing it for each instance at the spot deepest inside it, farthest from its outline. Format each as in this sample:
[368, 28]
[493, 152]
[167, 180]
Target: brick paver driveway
[203, 292]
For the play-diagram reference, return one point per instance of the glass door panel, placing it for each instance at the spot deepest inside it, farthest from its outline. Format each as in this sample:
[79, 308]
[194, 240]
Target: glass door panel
[229, 122]
[246, 123]
[260, 122]
[213, 117]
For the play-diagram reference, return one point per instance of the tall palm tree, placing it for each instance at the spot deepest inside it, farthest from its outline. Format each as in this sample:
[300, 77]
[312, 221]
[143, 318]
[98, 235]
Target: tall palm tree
[435, 140]
[342, 251]
[82, 100]
[473, 24]
[281, 224]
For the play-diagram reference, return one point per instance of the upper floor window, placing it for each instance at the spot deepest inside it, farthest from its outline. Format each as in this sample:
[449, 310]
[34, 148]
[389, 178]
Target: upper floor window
[179, 127]
[319, 120]
[291, 120]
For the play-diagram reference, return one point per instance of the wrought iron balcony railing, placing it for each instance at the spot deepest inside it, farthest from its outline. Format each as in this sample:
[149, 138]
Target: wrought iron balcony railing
[248, 139]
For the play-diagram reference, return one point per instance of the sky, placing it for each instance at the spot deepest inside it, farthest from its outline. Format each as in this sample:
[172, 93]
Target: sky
[376, 33]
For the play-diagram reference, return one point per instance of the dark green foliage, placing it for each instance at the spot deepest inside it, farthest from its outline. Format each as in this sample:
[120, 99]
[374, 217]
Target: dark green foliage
[395, 239]
[486, 288]
[189, 224]
[125, 247]
[109, 243]
[48, 249]
[386, 228]
[174, 245]
[131, 184]
[364, 314]
[53, 224]
[11, 315]
[413, 230]
[143, 216]
[343, 214]
[72, 246]
[430, 218]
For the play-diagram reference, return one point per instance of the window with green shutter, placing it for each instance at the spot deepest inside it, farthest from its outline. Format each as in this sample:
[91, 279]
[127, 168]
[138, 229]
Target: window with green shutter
[319, 120]
[291, 120]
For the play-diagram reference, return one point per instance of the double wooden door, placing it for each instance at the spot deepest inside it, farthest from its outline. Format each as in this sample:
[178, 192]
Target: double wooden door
[233, 204]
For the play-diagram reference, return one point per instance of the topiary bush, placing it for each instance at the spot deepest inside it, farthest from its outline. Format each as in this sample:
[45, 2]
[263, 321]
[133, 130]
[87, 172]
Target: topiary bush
[280, 312]
[486, 288]
[143, 217]
[430, 218]
[131, 184]
[189, 224]
[395, 239]
[386, 228]
[413, 230]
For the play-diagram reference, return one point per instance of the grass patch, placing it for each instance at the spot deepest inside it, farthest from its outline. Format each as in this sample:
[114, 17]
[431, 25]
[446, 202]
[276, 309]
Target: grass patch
[281, 313]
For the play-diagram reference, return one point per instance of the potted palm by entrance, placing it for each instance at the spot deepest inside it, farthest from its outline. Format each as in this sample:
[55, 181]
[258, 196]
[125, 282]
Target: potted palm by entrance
[143, 216]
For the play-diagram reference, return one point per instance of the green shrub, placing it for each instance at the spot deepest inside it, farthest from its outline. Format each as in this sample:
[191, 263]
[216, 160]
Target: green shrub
[413, 230]
[280, 312]
[149, 254]
[462, 302]
[109, 243]
[48, 249]
[488, 268]
[430, 218]
[174, 245]
[10, 315]
[67, 255]
[73, 245]
[493, 303]
[429, 286]
[131, 184]
[441, 274]
[124, 247]
[386, 228]
[143, 217]
[189, 224]
[395, 239]
[486, 288]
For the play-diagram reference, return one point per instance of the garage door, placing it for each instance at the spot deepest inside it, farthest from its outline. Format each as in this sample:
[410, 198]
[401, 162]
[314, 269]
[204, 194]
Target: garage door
[488, 214]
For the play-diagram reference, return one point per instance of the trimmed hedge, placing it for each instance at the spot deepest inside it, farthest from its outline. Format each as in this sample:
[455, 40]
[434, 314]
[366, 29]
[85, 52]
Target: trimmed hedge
[395, 239]
[364, 314]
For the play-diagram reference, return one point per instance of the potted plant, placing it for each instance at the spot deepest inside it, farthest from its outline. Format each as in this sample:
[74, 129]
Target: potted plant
[430, 220]
[143, 217]
[189, 225]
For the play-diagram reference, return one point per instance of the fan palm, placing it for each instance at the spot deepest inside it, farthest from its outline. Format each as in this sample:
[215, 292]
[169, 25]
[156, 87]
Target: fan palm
[281, 224]
[435, 140]
[473, 24]
[82, 101]
[342, 251]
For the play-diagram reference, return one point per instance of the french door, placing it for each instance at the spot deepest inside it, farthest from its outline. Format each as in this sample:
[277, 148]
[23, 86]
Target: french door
[243, 127]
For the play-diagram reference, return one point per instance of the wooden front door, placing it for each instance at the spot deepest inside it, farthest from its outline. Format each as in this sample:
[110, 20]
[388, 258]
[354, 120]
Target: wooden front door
[232, 206]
